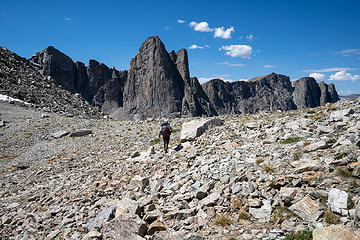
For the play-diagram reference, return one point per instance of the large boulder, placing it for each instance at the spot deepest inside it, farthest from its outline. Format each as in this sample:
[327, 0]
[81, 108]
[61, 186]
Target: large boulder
[306, 93]
[336, 232]
[195, 128]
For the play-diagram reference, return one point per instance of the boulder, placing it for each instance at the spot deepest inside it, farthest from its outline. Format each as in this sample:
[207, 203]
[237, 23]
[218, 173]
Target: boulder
[340, 114]
[337, 200]
[336, 232]
[307, 209]
[103, 216]
[264, 212]
[126, 226]
[195, 128]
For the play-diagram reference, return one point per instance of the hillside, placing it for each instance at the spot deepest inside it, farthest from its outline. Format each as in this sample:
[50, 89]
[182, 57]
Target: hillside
[258, 176]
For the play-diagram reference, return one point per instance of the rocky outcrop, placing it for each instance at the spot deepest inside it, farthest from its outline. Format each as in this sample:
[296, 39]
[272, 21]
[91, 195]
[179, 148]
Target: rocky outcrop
[308, 93]
[270, 92]
[154, 86]
[97, 83]
[19, 79]
[56, 64]
[110, 96]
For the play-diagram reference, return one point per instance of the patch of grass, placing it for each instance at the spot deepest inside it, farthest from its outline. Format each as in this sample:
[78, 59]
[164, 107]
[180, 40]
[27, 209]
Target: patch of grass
[297, 155]
[310, 112]
[343, 172]
[291, 140]
[259, 160]
[281, 214]
[302, 235]
[175, 130]
[244, 215]
[155, 141]
[306, 143]
[223, 220]
[267, 168]
[331, 218]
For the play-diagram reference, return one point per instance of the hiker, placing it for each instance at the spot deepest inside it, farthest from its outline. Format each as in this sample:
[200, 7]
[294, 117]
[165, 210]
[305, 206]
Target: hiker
[165, 131]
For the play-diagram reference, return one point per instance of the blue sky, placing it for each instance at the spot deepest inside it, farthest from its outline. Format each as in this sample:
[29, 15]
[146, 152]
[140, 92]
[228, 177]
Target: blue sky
[231, 40]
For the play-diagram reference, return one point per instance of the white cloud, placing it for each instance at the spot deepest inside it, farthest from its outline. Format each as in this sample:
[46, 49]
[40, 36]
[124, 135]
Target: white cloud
[236, 65]
[194, 46]
[200, 27]
[317, 76]
[231, 64]
[222, 33]
[243, 51]
[268, 66]
[67, 19]
[180, 21]
[207, 46]
[349, 52]
[250, 37]
[334, 69]
[344, 76]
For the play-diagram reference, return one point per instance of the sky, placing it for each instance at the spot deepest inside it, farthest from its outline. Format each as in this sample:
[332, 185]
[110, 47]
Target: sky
[231, 40]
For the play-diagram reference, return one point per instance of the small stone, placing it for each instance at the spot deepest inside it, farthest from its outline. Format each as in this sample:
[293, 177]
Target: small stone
[53, 234]
[44, 116]
[60, 134]
[92, 235]
[135, 154]
[254, 202]
[156, 227]
[80, 133]
[2, 123]
[102, 217]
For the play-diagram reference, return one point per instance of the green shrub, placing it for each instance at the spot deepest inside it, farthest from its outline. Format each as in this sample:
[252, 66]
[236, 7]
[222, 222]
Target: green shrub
[155, 141]
[267, 168]
[223, 220]
[244, 215]
[291, 140]
[303, 235]
[331, 218]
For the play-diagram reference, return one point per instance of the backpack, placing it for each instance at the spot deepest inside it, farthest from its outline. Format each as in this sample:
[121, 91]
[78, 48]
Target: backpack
[166, 130]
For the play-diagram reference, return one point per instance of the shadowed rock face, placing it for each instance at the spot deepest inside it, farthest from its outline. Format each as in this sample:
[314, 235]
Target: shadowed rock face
[308, 93]
[54, 63]
[97, 83]
[154, 87]
[270, 92]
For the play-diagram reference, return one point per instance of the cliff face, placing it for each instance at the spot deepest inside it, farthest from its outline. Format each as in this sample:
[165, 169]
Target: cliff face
[158, 84]
[270, 92]
[95, 80]
[308, 93]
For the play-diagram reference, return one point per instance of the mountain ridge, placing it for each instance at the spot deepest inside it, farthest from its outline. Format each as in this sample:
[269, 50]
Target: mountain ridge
[158, 84]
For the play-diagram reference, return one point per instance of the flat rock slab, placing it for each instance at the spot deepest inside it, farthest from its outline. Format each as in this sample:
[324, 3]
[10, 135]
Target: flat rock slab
[210, 200]
[340, 114]
[60, 134]
[195, 128]
[307, 208]
[103, 216]
[262, 213]
[80, 133]
[336, 232]
[126, 226]
[337, 200]
[316, 146]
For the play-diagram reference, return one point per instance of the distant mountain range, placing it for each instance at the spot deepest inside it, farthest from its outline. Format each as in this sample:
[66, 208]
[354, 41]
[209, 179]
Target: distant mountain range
[158, 84]
[350, 96]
